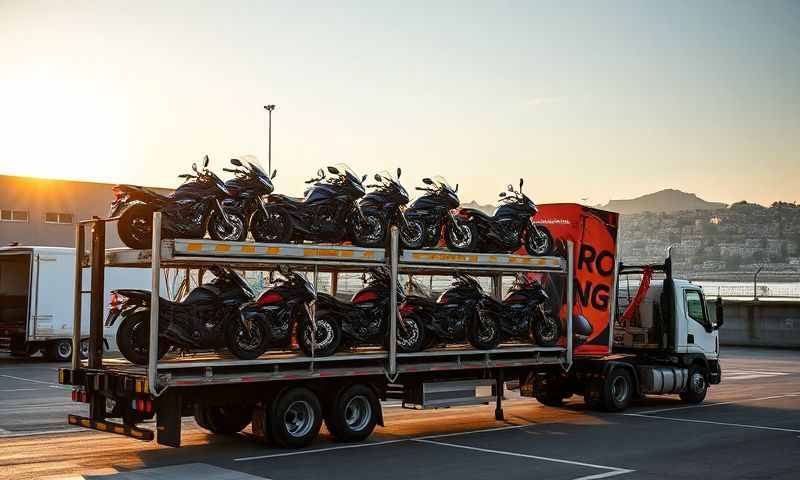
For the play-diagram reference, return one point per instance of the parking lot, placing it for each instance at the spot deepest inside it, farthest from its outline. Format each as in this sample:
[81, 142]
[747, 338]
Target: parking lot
[749, 427]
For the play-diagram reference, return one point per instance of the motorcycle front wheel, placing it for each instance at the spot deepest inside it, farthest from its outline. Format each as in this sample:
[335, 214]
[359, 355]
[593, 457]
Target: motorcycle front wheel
[484, 333]
[369, 231]
[135, 226]
[133, 338]
[327, 336]
[538, 241]
[234, 229]
[273, 227]
[413, 235]
[545, 330]
[246, 341]
[461, 236]
[411, 338]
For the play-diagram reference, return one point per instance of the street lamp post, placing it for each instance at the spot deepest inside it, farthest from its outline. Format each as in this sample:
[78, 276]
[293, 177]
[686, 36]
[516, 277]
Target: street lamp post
[269, 108]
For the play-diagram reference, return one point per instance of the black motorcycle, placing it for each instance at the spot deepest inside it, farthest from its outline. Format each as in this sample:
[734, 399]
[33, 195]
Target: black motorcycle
[379, 210]
[272, 320]
[510, 227]
[322, 215]
[455, 316]
[196, 322]
[363, 320]
[522, 313]
[427, 215]
[186, 211]
[246, 189]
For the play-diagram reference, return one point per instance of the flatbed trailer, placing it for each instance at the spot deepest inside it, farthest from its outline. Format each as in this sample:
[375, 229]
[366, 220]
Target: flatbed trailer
[221, 392]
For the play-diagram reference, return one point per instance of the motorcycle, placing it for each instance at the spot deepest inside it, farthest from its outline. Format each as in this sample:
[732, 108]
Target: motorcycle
[454, 316]
[196, 322]
[427, 215]
[363, 320]
[322, 215]
[379, 210]
[510, 227]
[286, 307]
[247, 187]
[186, 211]
[522, 314]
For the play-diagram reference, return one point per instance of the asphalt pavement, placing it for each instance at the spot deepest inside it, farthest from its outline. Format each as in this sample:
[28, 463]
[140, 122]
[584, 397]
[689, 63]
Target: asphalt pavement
[749, 427]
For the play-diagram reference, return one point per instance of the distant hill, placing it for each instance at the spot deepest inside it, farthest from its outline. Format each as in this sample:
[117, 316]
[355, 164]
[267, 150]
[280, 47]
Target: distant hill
[668, 200]
[484, 208]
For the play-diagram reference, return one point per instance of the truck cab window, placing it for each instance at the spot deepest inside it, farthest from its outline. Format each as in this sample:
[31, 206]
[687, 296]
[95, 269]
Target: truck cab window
[695, 307]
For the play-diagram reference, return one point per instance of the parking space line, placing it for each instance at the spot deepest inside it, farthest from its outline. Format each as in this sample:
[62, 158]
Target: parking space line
[706, 405]
[691, 420]
[28, 380]
[612, 471]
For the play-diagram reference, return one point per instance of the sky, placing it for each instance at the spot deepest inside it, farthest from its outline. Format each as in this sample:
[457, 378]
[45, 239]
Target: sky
[587, 101]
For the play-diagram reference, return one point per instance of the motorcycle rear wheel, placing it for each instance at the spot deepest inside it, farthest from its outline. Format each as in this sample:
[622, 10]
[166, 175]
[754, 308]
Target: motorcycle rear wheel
[135, 226]
[368, 232]
[244, 344]
[277, 228]
[219, 230]
[133, 338]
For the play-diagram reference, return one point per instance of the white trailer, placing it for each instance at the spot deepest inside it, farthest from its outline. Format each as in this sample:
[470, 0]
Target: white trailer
[37, 292]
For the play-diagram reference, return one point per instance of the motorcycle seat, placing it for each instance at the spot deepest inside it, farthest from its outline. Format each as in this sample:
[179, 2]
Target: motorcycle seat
[474, 212]
[279, 198]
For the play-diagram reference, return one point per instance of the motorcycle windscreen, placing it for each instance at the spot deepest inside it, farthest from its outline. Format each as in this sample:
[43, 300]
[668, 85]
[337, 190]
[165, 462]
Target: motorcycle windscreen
[594, 235]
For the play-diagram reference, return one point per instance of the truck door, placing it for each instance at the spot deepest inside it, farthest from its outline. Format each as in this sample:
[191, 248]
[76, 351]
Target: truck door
[701, 336]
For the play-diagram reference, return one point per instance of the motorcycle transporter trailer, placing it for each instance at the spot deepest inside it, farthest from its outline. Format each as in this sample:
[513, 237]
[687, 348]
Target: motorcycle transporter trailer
[285, 395]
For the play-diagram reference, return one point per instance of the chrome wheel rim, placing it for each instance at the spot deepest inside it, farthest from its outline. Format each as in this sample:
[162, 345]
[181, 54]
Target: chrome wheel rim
[85, 348]
[370, 229]
[460, 235]
[547, 329]
[64, 349]
[539, 243]
[408, 337]
[698, 382]
[619, 389]
[323, 336]
[486, 329]
[412, 234]
[248, 340]
[358, 413]
[299, 419]
[232, 232]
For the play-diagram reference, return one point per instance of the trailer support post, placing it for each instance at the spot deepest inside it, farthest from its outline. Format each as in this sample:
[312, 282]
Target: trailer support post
[498, 406]
[168, 419]
[393, 302]
[155, 289]
[78, 295]
[97, 402]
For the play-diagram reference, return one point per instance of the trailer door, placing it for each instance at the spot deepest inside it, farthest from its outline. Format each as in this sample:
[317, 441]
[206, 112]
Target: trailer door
[52, 296]
[15, 280]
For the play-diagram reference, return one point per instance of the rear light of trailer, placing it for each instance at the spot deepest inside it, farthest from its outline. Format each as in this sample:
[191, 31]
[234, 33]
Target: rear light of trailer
[115, 302]
[142, 405]
[79, 395]
[118, 193]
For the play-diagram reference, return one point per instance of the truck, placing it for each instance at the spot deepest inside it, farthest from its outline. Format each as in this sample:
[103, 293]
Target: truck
[655, 336]
[36, 300]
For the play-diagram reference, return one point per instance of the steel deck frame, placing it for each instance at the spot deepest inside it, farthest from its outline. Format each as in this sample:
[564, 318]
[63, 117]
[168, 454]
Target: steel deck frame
[190, 253]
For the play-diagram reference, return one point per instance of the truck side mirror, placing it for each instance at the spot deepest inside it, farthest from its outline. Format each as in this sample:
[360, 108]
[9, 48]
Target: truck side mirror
[719, 312]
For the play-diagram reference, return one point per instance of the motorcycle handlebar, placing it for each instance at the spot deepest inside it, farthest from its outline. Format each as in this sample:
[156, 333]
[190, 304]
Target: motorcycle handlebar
[424, 189]
[231, 170]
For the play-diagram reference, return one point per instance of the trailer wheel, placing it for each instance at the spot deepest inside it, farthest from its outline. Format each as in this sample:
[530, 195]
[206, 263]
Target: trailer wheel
[353, 416]
[60, 350]
[618, 389]
[294, 418]
[223, 420]
[547, 391]
[697, 387]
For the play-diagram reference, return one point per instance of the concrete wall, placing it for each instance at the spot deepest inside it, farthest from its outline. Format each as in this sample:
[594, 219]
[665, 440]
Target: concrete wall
[761, 323]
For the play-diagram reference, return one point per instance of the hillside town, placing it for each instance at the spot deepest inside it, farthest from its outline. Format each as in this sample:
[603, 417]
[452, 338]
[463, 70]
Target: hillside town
[721, 243]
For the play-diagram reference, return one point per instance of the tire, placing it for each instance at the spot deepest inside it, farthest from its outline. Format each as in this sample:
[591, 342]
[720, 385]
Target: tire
[133, 338]
[618, 389]
[60, 350]
[219, 230]
[545, 330]
[354, 414]
[294, 418]
[84, 349]
[135, 226]
[225, 420]
[465, 239]
[328, 339]
[413, 234]
[413, 338]
[277, 228]
[246, 348]
[541, 245]
[547, 392]
[484, 333]
[370, 232]
[697, 386]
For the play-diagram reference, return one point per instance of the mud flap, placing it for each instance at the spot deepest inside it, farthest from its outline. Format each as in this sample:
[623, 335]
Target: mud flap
[168, 420]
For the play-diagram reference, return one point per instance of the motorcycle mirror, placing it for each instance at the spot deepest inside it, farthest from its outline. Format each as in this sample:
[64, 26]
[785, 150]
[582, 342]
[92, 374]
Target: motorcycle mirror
[363, 177]
[521, 181]
[333, 170]
[427, 181]
[456, 190]
[320, 173]
[236, 161]
[502, 194]
[399, 172]
[378, 178]
[274, 172]
[205, 161]
[194, 167]
[510, 188]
